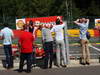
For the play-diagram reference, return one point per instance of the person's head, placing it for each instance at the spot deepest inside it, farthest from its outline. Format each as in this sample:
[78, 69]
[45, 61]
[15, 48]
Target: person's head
[46, 26]
[80, 21]
[51, 26]
[84, 20]
[24, 27]
[40, 26]
[57, 21]
[6, 24]
[31, 22]
[27, 22]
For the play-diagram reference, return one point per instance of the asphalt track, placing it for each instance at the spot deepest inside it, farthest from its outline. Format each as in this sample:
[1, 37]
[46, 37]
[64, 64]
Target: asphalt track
[85, 70]
[73, 69]
[74, 51]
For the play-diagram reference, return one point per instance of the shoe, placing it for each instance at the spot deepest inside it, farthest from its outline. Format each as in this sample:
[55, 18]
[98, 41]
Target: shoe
[58, 66]
[45, 67]
[87, 63]
[50, 66]
[64, 66]
[28, 71]
[9, 67]
[34, 65]
[83, 63]
[20, 71]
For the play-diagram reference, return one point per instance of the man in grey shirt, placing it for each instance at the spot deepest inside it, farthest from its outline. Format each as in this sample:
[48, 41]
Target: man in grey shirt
[48, 46]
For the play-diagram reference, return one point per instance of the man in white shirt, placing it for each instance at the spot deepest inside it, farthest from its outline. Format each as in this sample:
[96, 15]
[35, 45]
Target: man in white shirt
[6, 35]
[59, 38]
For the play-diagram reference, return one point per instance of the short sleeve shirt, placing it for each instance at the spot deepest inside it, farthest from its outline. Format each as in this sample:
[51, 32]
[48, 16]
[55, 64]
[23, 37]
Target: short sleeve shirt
[83, 30]
[26, 40]
[7, 34]
[58, 30]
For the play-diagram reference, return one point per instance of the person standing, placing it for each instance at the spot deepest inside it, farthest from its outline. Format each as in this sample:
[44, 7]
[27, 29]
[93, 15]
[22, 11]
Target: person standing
[7, 35]
[31, 27]
[48, 46]
[83, 23]
[59, 38]
[26, 49]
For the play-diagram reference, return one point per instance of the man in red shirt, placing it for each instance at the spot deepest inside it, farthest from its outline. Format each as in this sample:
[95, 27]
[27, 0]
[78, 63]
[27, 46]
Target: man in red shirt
[26, 48]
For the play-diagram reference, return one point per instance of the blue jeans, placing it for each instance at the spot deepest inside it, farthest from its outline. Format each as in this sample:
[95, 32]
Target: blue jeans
[9, 57]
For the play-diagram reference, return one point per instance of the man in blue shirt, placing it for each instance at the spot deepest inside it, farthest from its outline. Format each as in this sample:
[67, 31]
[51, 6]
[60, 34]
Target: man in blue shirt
[83, 24]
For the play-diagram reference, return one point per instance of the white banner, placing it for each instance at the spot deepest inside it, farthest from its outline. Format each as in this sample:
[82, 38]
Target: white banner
[20, 23]
[97, 23]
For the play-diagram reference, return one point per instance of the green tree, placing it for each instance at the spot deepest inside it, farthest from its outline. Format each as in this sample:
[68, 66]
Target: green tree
[94, 9]
[76, 12]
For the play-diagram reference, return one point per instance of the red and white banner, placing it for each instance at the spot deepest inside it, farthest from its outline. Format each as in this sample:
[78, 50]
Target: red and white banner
[37, 21]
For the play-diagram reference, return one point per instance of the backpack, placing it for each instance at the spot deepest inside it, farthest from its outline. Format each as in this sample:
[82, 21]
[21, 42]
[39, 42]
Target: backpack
[88, 35]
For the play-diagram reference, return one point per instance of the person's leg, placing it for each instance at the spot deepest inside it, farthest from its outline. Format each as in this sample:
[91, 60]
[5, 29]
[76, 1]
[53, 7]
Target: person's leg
[34, 58]
[21, 64]
[8, 53]
[28, 58]
[46, 55]
[11, 57]
[51, 54]
[87, 54]
[58, 53]
[83, 52]
[63, 51]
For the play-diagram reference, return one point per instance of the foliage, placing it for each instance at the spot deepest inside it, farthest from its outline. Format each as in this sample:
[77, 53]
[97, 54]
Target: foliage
[43, 8]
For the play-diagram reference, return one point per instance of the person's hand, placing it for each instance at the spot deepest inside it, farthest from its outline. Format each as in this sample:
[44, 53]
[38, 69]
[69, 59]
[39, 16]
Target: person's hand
[35, 45]
[77, 20]
[44, 40]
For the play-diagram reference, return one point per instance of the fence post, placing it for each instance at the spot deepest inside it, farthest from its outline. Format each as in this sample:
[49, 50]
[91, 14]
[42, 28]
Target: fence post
[66, 42]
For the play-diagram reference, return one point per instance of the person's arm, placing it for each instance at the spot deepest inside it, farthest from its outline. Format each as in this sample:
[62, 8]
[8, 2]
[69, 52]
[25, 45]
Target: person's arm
[12, 35]
[34, 44]
[43, 35]
[77, 22]
[52, 29]
[53, 32]
[87, 21]
[1, 35]
[62, 25]
[36, 29]
[19, 45]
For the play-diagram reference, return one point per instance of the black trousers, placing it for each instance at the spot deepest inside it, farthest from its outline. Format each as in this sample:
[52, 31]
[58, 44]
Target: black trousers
[48, 48]
[27, 57]
[33, 58]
